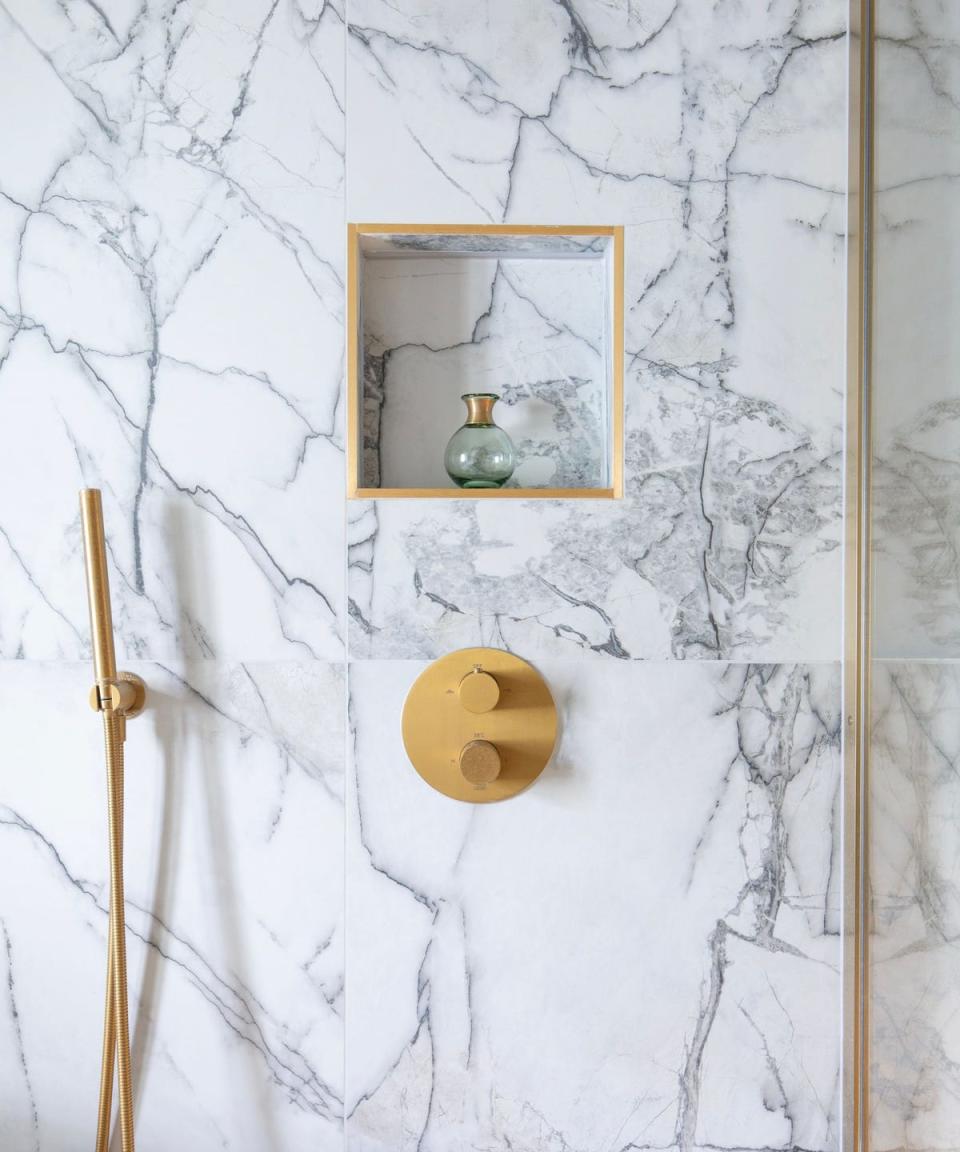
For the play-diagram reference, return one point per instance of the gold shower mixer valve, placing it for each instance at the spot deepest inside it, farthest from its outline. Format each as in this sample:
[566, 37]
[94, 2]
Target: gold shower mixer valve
[480, 761]
[479, 725]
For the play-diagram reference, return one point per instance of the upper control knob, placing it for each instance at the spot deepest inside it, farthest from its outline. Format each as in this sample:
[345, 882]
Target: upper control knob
[479, 691]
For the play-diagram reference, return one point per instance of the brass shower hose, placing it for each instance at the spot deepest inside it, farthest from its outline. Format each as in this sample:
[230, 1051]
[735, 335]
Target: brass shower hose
[117, 696]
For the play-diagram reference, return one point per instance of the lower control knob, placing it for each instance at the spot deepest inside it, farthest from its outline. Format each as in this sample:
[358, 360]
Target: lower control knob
[480, 762]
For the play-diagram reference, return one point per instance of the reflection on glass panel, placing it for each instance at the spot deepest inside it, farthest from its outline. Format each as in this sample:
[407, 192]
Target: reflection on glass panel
[914, 847]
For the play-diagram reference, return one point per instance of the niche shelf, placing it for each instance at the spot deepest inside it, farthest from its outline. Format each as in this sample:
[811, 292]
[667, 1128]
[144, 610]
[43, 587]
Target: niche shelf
[533, 313]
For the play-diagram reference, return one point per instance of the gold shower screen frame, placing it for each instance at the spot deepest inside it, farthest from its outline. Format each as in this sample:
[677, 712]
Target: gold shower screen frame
[355, 490]
[856, 596]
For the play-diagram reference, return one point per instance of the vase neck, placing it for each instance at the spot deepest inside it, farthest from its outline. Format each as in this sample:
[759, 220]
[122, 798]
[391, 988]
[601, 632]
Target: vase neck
[480, 409]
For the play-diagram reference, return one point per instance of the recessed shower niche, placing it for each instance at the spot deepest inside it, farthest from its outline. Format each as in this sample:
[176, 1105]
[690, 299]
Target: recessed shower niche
[531, 313]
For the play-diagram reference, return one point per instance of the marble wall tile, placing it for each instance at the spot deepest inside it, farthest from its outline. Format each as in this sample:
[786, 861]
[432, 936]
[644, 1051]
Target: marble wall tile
[234, 829]
[917, 399]
[171, 323]
[729, 171]
[915, 964]
[642, 951]
[645, 948]
[566, 113]
[915, 901]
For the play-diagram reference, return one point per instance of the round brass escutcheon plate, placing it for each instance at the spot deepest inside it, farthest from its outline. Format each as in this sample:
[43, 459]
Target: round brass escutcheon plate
[454, 749]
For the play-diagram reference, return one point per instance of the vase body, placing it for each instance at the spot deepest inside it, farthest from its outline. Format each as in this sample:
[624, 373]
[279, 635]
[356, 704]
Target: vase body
[480, 454]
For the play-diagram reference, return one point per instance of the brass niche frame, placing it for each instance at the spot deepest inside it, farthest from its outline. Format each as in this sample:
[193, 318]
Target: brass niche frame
[355, 490]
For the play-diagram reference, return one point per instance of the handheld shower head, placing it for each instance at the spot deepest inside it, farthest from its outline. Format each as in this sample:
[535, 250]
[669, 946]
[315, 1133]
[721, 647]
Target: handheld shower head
[98, 585]
[116, 696]
[121, 692]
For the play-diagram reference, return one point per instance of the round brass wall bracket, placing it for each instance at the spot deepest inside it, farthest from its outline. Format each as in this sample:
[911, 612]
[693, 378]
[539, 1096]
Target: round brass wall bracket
[479, 725]
[127, 694]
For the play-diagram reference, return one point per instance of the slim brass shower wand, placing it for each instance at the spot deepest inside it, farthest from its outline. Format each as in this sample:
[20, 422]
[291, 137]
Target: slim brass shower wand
[117, 696]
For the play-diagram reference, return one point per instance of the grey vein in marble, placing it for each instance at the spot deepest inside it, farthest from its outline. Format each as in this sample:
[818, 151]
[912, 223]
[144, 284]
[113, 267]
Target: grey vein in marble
[727, 1036]
[156, 173]
[233, 794]
[915, 890]
[702, 558]
[917, 535]
[479, 244]
[726, 545]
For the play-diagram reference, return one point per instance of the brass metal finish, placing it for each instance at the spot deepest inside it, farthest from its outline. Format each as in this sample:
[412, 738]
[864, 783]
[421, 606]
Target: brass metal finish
[354, 384]
[479, 691]
[480, 762]
[616, 472]
[482, 494]
[857, 655]
[479, 756]
[480, 407]
[116, 1025]
[98, 585]
[126, 694]
[118, 696]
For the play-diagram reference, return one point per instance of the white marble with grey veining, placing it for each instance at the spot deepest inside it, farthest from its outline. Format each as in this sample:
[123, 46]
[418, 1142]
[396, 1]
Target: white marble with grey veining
[916, 501]
[915, 962]
[642, 951]
[656, 966]
[916, 394]
[171, 323]
[400, 243]
[716, 136]
[234, 883]
[719, 549]
[915, 899]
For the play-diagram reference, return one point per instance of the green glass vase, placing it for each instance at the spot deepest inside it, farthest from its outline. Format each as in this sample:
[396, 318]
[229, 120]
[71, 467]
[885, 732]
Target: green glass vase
[480, 454]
